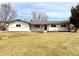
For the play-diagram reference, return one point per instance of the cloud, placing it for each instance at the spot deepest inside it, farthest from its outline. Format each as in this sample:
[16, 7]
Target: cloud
[54, 10]
[58, 14]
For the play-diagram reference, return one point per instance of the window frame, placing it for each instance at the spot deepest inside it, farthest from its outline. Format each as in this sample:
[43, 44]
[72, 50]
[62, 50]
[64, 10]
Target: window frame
[18, 25]
[63, 25]
[53, 25]
[37, 26]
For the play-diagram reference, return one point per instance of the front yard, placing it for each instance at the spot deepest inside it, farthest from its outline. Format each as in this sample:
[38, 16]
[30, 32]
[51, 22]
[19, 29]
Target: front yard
[39, 44]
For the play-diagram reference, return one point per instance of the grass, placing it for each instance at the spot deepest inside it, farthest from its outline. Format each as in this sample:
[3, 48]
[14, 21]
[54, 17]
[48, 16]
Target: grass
[39, 44]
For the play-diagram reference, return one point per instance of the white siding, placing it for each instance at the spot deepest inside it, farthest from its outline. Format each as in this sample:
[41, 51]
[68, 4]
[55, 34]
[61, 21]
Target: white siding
[57, 28]
[24, 26]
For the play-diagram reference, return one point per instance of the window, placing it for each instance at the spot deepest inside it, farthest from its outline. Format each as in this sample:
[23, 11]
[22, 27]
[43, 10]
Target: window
[18, 25]
[63, 25]
[38, 26]
[53, 25]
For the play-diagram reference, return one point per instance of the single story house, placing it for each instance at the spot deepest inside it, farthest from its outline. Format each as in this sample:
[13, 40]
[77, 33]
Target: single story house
[29, 26]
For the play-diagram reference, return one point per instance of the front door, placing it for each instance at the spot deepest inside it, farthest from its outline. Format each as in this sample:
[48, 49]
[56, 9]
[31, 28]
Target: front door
[45, 27]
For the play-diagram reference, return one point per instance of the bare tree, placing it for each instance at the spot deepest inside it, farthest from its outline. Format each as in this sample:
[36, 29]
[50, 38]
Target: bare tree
[39, 16]
[6, 14]
[44, 16]
[34, 15]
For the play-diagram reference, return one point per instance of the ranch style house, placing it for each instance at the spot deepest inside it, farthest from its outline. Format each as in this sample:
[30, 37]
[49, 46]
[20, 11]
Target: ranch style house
[29, 26]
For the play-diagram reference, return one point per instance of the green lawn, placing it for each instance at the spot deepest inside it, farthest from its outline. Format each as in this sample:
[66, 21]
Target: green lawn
[39, 44]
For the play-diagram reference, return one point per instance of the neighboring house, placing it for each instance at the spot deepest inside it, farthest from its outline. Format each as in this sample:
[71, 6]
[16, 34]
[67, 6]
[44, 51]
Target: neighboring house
[20, 25]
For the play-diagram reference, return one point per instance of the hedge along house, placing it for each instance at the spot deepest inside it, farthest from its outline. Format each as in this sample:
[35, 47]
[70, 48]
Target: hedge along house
[29, 26]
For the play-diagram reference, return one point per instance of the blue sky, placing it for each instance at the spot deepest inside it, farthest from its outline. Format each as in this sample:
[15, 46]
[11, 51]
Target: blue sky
[56, 11]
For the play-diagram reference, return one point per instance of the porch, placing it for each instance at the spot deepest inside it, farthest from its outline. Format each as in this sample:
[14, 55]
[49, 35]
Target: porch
[38, 27]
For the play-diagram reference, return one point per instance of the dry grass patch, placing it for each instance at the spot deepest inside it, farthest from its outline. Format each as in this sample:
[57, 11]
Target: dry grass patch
[39, 44]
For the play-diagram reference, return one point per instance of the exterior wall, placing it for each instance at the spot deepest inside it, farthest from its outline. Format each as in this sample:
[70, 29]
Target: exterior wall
[57, 28]
[27, 27]
[24, 26]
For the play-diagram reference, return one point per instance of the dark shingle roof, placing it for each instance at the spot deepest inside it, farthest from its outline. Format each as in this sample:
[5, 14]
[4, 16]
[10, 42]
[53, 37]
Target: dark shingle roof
[39, 22]
[19, 20]
[49, 22]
